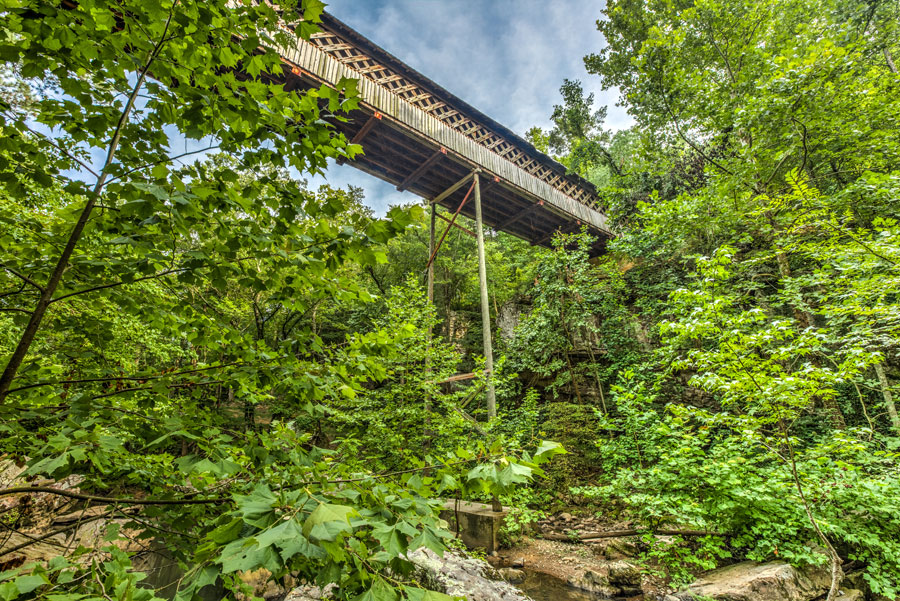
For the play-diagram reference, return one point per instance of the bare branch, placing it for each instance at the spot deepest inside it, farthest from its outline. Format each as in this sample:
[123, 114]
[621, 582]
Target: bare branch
[126, 378]
[119, 283]
[24, 278]
[18, 490]
[161, 161]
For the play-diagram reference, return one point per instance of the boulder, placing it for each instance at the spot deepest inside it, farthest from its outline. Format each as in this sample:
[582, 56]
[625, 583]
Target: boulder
[460, 576]
[593, 582]
[616, 548]
[751, 581]
[852, 594]
[624, 575]
[453, 574]
[512, 575]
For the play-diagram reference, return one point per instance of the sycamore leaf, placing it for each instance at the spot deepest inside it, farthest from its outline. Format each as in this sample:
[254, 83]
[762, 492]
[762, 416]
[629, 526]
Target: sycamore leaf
[547, 450]
[380, 591]
[256, 508]
[514, 473]
[245, 554]
[327, 513]
[289, 537]
[428, 539]
[421, 594]
[29, 582]
[391, 539]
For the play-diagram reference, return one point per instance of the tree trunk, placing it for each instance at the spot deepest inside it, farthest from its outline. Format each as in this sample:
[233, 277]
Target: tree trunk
[888, 396]
[890, 60]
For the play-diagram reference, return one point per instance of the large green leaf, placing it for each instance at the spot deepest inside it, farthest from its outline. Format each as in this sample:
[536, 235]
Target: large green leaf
[333, 516]
[421, 594]
[256, 508]
[379, 591]
[289, 538]
[547, 450]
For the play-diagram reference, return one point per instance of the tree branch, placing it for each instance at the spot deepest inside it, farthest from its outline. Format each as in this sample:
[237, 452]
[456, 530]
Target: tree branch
[24, 278]
[690, 143]
[42, 537]
[40, 309]
[112, 500]
[120, 283]
[161, 161]
[125, 378]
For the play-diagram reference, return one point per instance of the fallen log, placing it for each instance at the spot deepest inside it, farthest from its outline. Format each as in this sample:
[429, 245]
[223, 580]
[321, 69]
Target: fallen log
[589, 537]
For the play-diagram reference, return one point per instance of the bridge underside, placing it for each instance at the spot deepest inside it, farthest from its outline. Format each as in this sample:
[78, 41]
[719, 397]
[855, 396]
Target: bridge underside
[409, 143]
[391, 154]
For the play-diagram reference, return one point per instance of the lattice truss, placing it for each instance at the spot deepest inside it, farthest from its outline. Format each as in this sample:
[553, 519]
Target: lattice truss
[418, 95]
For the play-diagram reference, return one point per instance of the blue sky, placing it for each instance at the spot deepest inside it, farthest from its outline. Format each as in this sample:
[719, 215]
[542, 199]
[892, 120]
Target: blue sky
[505, 57]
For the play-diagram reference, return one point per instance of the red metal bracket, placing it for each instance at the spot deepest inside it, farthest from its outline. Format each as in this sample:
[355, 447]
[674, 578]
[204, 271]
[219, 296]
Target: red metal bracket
[452, 223]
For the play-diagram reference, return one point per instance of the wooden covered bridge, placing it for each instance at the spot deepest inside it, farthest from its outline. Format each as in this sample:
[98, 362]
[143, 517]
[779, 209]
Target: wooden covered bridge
[422, 138]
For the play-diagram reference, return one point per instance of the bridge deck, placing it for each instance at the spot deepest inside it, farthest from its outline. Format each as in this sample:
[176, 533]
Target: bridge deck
[422, 138]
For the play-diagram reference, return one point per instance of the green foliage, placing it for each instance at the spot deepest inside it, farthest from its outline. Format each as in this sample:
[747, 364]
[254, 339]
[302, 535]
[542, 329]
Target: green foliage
[741, 471]
[520, 516]
[680, 559]
[578, 136]
[576, 306]
[193, 341]
[249, 368]
[758, 234]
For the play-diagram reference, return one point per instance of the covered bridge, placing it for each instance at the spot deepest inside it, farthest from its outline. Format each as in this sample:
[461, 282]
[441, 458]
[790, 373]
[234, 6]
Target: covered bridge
[422, 138]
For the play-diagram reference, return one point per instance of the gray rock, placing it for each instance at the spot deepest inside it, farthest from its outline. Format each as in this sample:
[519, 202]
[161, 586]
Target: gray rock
[308, 592]
[624, 575]
[460, 576]
[512, 575]
[856, 579]
[518, 562]
[566, 517]
[852, 594]
[593, 582]
[751, 581]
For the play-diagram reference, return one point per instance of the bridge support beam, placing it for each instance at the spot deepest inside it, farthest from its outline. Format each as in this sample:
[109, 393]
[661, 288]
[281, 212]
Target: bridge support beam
[429, 277]
[485, 306]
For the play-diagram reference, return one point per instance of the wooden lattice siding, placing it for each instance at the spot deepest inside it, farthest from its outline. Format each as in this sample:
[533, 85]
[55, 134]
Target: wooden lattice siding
[392, 95]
